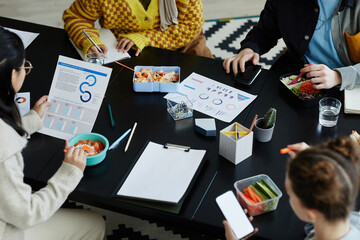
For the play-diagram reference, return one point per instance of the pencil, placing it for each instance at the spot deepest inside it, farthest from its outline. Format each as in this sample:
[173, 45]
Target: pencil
[236, 132]
[253, 123]
[111, 117]
[92, 41]
[131, 134]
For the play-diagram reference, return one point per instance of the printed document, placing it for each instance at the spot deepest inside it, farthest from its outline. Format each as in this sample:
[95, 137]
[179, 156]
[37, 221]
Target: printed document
[214, 98]
[76, 94]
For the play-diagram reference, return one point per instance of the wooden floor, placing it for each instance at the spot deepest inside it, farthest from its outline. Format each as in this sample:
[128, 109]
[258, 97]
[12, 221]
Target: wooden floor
[49, 12]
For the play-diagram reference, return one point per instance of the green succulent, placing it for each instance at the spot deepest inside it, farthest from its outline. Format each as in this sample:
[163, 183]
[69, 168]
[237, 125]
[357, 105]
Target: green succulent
[269, 118]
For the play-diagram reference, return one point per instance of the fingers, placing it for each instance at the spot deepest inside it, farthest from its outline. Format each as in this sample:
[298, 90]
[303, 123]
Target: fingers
[122, 44]
[104, 49]
[229, 234]
[137, 52]
[226, 64]
[298, 147]
[256, 59]
[128, 46]
[41, 100]
[67, 144]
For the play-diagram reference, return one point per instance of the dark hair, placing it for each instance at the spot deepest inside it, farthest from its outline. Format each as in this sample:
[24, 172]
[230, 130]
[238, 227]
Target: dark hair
[12, 56]
[326, 177]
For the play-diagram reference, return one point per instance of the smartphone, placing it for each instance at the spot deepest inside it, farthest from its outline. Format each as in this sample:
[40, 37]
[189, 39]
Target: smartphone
[248, 77]
[234, 214]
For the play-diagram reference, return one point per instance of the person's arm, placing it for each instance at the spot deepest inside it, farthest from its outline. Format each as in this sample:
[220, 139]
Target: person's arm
[82, 15]
[350, 76]
[22, 208]
[266, 33]
[31, 122]
[190, 21]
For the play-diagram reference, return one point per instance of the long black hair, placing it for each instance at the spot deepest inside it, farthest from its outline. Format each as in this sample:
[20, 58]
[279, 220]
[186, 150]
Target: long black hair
[12, 56]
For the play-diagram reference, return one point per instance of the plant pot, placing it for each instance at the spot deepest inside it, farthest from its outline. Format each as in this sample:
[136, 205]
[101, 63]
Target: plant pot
[262, 134]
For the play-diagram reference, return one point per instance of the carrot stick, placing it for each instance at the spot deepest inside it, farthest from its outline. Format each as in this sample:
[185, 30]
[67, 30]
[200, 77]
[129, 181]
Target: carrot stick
[285, 150]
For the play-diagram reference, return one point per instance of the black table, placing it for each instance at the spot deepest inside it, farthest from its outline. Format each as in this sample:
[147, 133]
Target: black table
[199, 210]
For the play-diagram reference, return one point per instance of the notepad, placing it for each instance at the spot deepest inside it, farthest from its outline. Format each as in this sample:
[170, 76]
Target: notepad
[107, 37]
[162, 174]
[352, 101]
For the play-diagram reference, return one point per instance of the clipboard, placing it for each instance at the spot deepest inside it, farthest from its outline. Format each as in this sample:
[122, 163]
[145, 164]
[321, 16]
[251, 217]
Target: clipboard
[162, 174]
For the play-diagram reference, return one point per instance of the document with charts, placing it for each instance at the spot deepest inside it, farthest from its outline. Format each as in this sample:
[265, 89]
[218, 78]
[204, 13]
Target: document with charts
[76, 94]
[214, 98]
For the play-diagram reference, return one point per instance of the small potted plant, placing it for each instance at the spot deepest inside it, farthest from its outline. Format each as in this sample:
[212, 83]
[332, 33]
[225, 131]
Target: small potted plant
[264, 127]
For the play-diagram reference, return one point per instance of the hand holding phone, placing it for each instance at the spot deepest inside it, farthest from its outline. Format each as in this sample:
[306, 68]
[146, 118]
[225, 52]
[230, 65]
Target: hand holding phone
[248, 77]
[234, 214]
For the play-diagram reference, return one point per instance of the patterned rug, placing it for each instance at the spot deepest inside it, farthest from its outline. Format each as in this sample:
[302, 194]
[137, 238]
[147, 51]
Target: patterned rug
[223, 39]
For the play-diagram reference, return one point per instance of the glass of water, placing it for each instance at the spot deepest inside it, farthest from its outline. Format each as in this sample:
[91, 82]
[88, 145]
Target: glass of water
[329, 109]
[95, 57]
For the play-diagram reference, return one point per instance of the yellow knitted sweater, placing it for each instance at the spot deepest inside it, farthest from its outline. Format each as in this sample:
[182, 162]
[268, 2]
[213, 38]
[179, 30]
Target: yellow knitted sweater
[129, 19]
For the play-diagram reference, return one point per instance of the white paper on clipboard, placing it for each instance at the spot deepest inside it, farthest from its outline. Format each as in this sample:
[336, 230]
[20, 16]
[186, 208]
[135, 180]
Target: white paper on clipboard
[162, 174]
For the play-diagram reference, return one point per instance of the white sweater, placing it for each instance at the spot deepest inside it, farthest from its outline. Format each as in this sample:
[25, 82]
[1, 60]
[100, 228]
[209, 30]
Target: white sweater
[20, 208]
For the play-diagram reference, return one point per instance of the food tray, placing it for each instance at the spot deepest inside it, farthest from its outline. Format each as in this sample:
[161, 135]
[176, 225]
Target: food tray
[294, 98]
[156, 86]
[260, 207]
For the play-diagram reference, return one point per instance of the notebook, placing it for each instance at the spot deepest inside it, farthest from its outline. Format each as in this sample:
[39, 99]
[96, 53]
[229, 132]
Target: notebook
[107, 37]
[162, 174]
[352, 101]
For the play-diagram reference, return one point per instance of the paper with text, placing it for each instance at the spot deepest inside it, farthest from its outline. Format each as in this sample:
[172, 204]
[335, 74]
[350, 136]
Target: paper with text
[214, 98]
[76, 94]
[162, 174]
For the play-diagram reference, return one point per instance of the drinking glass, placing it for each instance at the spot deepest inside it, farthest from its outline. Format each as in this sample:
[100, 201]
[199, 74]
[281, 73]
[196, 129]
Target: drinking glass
[329, 109]
[95, 57]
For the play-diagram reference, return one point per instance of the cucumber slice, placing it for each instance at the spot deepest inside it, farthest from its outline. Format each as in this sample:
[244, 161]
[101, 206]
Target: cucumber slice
[260, 188]
[259, 193]
[266, 185]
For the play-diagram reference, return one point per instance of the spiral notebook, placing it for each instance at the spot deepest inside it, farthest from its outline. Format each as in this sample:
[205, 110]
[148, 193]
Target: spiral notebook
[163, 173]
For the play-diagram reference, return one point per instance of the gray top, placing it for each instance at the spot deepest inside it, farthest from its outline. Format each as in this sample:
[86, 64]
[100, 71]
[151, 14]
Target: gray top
[353, 234]
[347, 20]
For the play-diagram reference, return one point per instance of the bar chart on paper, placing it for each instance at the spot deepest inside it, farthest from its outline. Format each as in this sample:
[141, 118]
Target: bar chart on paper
[67, 118]
[214, 98]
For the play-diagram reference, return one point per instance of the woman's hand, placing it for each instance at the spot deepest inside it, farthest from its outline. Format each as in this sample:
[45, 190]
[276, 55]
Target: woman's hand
[103, 48]
[41, 105]
[75, 156]
[297, 147]
[240, 59]
[322, 76]
[229, 234]
[124, 45]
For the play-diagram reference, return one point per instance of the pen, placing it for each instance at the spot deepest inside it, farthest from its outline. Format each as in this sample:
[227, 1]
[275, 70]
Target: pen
[129, 140]
[87, 35]
[111, 116]
[114, 145]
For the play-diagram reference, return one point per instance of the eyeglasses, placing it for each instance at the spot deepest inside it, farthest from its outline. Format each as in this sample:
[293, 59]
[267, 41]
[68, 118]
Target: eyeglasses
[27, 66]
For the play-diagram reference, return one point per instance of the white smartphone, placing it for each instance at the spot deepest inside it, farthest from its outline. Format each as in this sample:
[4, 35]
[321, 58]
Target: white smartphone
[234, 214]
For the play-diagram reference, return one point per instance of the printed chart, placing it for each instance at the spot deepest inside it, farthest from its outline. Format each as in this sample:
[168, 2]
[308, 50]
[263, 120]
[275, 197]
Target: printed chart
[213, 98]
[76, 95]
